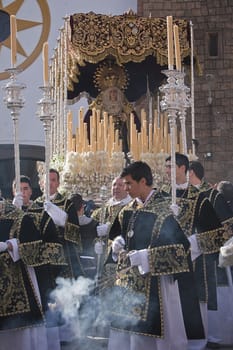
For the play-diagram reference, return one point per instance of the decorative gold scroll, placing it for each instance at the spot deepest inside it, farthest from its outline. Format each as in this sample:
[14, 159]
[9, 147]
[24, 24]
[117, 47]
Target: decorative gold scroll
[126, 37]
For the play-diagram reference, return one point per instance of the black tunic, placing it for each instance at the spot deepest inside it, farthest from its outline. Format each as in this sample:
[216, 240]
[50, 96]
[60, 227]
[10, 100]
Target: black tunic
[137, 306]
[197, 216]
[19, 304]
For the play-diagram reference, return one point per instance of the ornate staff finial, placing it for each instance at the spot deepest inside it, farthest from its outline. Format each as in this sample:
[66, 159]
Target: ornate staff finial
[15, 102]
[46, 115]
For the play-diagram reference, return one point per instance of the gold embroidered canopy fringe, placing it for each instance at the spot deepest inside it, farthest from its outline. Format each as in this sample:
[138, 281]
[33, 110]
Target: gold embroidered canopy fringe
[127, 38]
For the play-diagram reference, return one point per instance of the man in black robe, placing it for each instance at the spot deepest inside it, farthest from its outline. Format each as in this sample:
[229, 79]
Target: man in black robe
[203, 228]
[151, 254]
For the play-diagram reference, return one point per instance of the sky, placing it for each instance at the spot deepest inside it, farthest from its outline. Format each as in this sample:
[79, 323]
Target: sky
[30, 127]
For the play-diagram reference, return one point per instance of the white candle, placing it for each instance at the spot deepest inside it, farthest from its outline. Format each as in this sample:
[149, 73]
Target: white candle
[170, 42]
[150, 109]
[45, 58]
[158, 111]
[13, 27]
[177, 47]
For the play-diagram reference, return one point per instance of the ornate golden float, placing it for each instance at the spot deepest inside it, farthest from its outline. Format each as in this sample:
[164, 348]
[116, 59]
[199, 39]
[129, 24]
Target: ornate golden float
[116, 62]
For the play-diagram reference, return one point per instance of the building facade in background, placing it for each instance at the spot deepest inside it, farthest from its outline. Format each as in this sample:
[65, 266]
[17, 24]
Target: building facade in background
[213, 44]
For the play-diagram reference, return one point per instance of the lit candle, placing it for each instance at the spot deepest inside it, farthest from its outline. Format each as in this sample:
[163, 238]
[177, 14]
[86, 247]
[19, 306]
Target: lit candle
[150, 138]
[69, 131]
[13, 39]
[105, 130]
[73, 144]
[150, 109]
[158, 110]
[116, 138]
[144, 136]
[45, 58]
[177, 47]
[81, 126]
[170, 42]
[85, 148]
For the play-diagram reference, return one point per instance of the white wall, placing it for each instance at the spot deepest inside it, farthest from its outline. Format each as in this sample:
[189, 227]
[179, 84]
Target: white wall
[30, 127]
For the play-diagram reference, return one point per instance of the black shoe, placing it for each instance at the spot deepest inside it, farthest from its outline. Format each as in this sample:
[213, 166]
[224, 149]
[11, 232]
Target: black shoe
[212, 345]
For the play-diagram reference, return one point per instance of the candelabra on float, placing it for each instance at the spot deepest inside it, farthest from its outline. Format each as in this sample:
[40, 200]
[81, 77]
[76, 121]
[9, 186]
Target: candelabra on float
[15, 102]
[46, 115]
[175, 101]
[185, 102]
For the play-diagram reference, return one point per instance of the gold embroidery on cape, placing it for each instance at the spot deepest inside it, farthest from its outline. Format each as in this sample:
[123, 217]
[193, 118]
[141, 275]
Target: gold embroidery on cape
[135, 298]
[137, 286]
[107, 213]
[13, 295]
[38, 253]
[126, 37]
[72, 234]
[17, 217]
[31, 253]
[211, 241]
[186, 214]
[168, 259]
[53, 253]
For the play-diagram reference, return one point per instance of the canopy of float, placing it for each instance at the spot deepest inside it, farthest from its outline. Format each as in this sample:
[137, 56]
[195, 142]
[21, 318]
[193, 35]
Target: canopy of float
[137, 43]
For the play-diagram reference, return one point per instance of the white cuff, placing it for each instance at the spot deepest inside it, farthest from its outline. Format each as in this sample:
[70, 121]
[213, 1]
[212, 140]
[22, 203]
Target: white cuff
[195, 250]
[3, 247]
[15, 252]
[58, 215]
[140, 258]
[226, 254]
[144, 267]
[118, 244]
[102, 230]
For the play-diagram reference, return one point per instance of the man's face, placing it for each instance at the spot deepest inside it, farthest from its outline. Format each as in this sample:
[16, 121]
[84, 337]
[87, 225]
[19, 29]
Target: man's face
[26, 191]
[180, 172]
[191, 176]
[53, 183]
[168, 169]
[118, 189]
[132, 186]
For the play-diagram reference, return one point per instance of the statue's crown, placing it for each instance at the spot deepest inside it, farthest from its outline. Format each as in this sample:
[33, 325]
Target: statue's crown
[109, 74]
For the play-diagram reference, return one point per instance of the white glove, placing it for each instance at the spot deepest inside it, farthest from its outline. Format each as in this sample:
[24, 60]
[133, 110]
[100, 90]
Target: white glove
[195, 250]
[18, 200]
[102, 230]
[3, 247]
[140, 258]
[226, 254]
[118, 245]
[99, 247]
[58, 215]
[175, 209]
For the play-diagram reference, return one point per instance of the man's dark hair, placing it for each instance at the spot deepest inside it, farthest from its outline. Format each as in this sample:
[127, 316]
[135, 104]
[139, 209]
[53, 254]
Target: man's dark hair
[23, 178]
[181, 159]
[226, 188]
[139, 170]
[197, 168]
[56, 172]
[77, 200]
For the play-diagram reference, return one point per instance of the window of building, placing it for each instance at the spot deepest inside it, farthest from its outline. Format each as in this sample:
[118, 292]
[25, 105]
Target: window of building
[213, 44]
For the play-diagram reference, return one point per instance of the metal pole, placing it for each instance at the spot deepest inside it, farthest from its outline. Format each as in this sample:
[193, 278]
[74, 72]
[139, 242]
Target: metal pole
[192, 92]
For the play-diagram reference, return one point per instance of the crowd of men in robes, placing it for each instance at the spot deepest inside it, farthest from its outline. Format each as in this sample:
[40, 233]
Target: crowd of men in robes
[153, 268]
